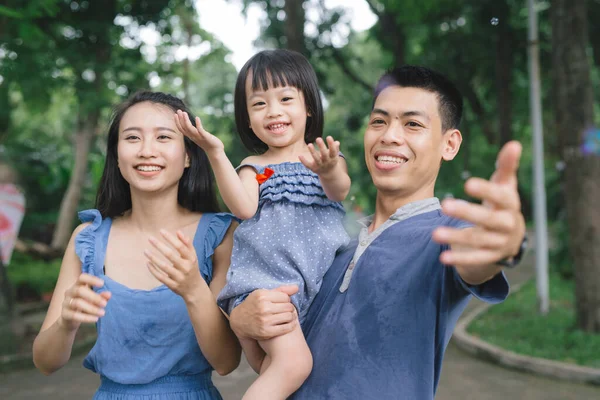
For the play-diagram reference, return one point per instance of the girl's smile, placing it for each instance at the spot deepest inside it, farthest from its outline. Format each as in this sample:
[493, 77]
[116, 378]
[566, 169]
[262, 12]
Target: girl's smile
[277, 115]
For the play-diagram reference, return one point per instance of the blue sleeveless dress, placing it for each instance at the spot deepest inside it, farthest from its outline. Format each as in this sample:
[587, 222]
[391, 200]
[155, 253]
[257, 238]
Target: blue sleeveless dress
[146, 346]
[292, 238]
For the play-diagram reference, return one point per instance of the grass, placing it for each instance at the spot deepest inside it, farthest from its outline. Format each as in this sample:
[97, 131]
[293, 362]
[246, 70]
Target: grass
[515, 325]
[32, 277]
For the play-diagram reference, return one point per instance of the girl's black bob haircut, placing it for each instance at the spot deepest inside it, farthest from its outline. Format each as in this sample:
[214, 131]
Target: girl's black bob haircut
[277, 68]
[196, 187]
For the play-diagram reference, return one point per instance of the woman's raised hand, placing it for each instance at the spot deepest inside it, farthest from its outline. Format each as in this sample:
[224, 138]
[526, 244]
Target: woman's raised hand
[207, 141]
[82, 304]
[177, 264]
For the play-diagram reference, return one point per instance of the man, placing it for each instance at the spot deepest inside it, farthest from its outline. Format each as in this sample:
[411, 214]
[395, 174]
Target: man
[388, 305]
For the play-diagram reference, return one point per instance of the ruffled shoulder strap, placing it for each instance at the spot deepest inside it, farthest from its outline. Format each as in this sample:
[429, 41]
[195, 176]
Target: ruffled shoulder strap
[258, 168]
[90, 242]
[209, 235]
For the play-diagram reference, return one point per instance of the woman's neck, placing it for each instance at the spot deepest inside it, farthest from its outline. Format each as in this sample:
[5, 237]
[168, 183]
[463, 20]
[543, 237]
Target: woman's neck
[151, 212]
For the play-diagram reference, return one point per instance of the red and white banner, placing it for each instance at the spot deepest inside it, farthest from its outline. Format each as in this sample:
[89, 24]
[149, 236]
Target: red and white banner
[12, 209]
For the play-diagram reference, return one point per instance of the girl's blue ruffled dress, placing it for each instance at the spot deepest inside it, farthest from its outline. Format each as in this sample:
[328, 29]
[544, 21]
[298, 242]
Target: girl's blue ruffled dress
[292, 238]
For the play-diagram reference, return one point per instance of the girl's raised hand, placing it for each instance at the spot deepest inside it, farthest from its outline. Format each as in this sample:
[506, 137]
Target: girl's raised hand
[177, 265]
[208, 142]
[82, 304]
[325, 159]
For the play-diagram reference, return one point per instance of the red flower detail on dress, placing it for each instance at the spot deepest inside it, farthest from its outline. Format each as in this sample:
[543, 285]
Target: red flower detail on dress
[262, 178]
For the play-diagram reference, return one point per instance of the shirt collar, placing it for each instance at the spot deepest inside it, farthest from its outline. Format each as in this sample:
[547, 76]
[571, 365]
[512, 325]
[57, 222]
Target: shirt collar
[407, 210]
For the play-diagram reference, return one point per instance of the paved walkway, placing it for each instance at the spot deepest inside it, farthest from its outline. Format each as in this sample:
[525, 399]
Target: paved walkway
[462, 377]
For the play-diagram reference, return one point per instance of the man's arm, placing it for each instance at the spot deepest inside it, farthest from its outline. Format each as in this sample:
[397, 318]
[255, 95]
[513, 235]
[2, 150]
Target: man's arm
[265, 314]
[499, 225]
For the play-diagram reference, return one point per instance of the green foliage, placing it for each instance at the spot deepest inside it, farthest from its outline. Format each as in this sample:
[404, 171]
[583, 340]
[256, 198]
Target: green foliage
[37, 149]
[33, 276]
[517, 326]
[562, 262]
[89, 58]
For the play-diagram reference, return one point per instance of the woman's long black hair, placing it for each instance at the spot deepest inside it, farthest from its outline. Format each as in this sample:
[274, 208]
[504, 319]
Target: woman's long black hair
[196, 190]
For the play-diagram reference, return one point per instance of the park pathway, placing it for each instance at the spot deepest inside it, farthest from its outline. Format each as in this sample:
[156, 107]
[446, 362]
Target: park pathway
[463, 377]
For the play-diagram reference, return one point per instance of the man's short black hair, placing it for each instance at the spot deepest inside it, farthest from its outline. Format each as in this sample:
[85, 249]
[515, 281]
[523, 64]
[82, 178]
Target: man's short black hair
[410, 76]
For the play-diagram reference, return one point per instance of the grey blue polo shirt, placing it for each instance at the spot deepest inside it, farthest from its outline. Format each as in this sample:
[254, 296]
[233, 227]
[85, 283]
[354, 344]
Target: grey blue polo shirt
[379, 329]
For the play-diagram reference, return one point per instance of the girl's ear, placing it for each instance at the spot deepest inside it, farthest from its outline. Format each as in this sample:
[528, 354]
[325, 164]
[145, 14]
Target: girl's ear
[187, 160]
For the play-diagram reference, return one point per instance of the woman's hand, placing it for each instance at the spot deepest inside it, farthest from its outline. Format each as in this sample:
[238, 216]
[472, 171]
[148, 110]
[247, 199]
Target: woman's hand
[81, 304]
[177, 265]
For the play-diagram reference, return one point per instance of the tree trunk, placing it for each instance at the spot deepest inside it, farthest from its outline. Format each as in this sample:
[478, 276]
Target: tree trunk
[188, 25]
[390, 33]
[185, 80]
[86, 127]
[594, 32]
[573, 110]
[477, 107]
[294, 25]
[504, 68]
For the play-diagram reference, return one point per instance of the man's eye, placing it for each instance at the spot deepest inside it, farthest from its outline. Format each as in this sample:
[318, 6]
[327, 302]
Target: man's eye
[377, 122]
[414, 124]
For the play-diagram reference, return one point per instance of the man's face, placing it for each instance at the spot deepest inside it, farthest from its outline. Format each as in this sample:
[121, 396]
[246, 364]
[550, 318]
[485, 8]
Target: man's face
[404, 142]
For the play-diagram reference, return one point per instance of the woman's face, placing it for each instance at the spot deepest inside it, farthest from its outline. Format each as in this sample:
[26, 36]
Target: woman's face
[150, 150]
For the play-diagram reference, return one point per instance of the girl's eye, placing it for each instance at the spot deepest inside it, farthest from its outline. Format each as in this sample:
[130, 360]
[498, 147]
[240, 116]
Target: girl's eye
[164, 137]
[286, 99]
[131, 137]
[258, 103]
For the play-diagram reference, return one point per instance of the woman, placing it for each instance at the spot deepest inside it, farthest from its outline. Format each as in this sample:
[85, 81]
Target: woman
[146, 266]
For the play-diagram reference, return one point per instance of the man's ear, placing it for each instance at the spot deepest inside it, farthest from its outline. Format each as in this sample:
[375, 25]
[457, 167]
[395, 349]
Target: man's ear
[451, 144]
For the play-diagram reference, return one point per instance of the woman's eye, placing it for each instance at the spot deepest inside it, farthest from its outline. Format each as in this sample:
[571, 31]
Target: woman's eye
[131, 137]
[164, 137]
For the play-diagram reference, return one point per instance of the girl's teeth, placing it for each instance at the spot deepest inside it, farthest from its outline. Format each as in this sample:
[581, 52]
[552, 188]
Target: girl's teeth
[277, 127]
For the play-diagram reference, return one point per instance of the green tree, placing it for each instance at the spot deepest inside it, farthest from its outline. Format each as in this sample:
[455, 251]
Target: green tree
[84, 45]
[574, 118]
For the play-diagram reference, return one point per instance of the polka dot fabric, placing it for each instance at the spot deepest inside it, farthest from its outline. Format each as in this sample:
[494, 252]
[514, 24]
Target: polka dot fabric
[292, 239]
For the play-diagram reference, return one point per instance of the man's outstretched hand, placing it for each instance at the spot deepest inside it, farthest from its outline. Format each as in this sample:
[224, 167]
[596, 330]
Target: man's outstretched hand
[499, 225]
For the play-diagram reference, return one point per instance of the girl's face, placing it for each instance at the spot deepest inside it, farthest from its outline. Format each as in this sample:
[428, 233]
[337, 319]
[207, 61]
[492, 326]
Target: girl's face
[277, 115]
[150, 150]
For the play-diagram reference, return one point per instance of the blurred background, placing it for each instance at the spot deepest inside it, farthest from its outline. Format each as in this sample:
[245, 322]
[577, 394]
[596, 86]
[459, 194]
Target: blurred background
[65, 64]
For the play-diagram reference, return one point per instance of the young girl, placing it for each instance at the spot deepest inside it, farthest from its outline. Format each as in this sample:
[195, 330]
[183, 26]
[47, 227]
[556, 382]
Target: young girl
[289, 197]
[160, 332]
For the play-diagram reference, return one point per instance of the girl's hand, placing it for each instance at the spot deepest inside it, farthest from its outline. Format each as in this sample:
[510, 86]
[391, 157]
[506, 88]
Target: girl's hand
[178, 266]
[325, 160]
[208, 142]
[82, 304]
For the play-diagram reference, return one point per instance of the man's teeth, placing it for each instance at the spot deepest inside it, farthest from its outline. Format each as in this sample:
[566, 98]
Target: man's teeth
[148, 168]
[391, 159]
